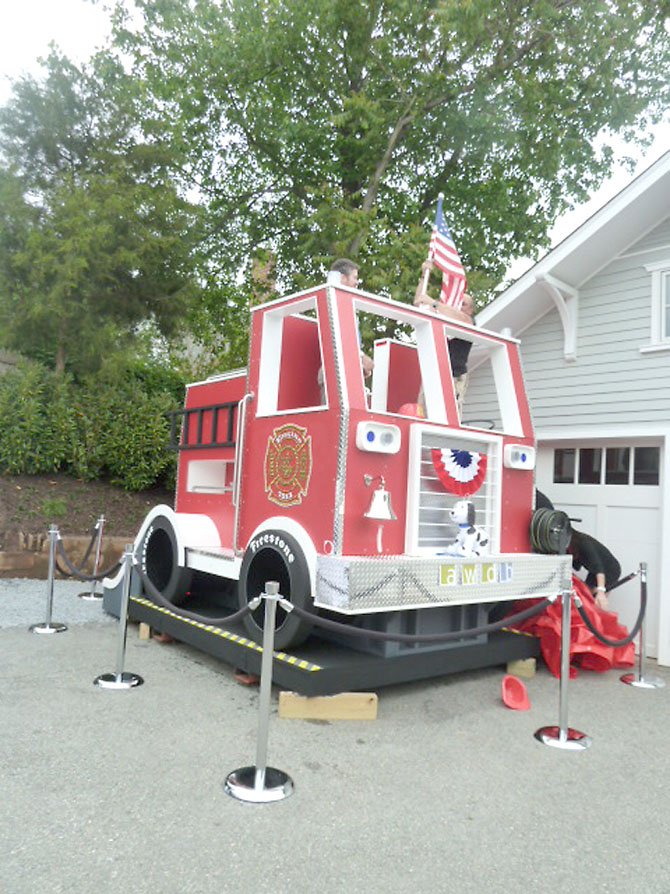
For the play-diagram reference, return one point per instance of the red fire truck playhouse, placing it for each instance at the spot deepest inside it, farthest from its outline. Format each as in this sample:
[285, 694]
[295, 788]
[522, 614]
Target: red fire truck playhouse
[370, 500]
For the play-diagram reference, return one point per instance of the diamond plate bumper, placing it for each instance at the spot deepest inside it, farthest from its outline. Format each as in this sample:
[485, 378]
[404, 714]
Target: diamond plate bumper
[359, 584]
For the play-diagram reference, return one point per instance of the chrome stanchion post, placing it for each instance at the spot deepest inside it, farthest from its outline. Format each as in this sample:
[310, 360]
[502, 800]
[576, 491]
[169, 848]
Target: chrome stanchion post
[121, 679]
[639, 679]
[49, 626]
[261, 784]
[92, 594]
[562, 736]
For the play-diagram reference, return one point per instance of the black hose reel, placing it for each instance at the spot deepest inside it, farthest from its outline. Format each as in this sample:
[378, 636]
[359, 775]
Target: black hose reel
[550, 531]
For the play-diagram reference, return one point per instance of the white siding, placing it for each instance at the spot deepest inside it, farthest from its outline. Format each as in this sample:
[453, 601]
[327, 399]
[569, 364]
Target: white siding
[481, 407]
[612, 393]
[611, 381]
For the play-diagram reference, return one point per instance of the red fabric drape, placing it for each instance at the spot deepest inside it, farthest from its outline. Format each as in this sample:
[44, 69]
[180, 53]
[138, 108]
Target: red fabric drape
[586, 651]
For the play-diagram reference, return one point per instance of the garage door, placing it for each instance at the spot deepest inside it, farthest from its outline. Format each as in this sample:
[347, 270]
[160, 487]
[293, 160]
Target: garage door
[614, 489]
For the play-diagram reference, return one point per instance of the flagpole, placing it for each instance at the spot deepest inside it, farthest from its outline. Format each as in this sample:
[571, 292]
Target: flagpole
[426, 275]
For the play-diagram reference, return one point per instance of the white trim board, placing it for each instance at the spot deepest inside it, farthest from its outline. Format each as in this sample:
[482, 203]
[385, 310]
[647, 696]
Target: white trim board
[623, 433]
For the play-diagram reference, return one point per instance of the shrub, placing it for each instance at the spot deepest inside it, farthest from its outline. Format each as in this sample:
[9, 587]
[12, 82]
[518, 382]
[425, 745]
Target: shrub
[87, 458]
[136, 437]
[103, 428]
[37, 430]
[123, 433]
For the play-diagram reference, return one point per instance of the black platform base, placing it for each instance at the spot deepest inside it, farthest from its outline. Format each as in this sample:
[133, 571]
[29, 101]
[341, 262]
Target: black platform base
[322, 668]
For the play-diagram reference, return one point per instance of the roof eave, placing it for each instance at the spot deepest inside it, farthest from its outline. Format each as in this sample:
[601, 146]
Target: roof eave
[607, 233]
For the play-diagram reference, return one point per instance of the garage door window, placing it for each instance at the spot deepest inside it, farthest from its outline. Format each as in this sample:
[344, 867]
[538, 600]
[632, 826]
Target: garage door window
[607, 465]
[590, 463]
[617, 465]
[647, 462]
[564, 465]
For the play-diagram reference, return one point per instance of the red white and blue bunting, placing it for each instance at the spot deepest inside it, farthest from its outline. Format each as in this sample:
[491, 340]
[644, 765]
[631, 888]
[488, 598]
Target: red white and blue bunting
[461, 472]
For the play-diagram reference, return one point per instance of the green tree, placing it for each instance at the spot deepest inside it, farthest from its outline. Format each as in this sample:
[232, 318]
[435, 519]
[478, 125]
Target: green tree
[325, 128]
[95, 238]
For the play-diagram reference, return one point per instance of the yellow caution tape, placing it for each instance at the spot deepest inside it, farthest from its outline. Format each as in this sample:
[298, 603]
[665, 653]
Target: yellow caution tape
[226, 634]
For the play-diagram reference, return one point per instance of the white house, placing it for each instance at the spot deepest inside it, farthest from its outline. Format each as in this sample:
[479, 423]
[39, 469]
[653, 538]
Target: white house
[593, 320]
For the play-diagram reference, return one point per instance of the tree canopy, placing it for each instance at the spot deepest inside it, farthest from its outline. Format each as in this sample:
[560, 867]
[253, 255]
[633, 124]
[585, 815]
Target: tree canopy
[218, 145]
[327, 128]
[94, 236]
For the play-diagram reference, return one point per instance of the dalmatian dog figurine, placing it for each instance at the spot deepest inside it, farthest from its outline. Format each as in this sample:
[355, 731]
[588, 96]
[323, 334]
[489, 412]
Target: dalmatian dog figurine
[471, 540]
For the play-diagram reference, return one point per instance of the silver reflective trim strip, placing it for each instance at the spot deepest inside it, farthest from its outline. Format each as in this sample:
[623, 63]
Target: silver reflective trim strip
[343, 435]
[239, 444]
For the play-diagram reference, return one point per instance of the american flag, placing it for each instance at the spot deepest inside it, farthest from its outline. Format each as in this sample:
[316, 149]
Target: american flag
[443, 253]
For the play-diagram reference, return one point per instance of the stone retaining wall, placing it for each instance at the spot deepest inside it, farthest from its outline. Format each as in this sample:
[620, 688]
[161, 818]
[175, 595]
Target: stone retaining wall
[27, 555]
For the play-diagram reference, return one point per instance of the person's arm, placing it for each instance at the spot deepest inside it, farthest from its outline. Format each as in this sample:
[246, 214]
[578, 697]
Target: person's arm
[367, 365]
[452, 314]
[599, 593]
[421, 296]
[592, 559]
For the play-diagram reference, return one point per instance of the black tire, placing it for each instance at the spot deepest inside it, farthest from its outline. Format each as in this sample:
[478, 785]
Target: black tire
[158, 557]
[276, 556]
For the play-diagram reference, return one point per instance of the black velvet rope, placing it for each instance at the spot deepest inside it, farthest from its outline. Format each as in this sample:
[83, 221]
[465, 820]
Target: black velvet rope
[327, 624]
[87, 554]
[634, 631]
[623, 580]
[81, 575]
[159, 599]
[338, 627]
[89, 548]
[61, 570]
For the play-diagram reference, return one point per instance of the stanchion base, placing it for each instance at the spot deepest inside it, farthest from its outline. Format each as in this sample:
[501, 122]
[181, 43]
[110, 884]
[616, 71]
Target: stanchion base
[118, 681]
[642, 682]
[90, 596]
[569, 739]
[54, 627]
[241, 784]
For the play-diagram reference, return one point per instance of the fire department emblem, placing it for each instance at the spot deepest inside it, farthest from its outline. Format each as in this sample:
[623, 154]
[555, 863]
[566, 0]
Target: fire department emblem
[288, 465]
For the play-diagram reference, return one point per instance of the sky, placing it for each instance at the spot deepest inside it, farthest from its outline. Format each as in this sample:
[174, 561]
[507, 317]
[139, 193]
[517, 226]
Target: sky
[79, 27]
[27, 27]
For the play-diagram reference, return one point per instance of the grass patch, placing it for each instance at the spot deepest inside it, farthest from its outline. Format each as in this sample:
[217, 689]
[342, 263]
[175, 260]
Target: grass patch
[55, 506]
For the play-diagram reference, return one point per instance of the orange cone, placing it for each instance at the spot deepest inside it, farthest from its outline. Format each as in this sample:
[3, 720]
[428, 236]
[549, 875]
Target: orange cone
[514, 693]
